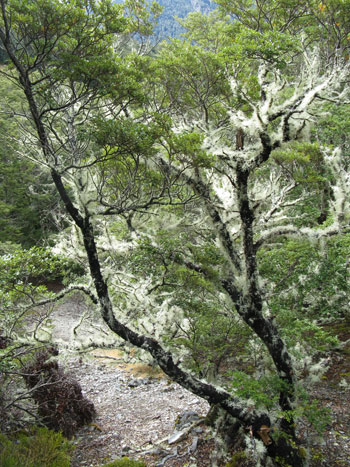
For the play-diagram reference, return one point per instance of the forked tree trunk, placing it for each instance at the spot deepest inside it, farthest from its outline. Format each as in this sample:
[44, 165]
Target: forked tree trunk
[280, 448]
[277, 449]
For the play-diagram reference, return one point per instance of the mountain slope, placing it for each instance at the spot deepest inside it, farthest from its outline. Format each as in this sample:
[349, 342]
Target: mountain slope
[168, 26]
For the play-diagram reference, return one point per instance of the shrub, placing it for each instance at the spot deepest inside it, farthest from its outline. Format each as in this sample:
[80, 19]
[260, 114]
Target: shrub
[41, 448]
[61, 405]
[239, 459]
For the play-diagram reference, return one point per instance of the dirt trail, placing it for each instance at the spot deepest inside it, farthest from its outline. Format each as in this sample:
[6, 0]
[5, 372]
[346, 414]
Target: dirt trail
[137, 406]
[133, 413]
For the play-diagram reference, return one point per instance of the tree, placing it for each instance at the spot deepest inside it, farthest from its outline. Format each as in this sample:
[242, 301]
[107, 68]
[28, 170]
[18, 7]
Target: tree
[119, 144]
[254, 194]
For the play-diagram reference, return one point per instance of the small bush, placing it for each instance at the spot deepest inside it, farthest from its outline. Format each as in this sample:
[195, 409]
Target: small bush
[125, 462]
[239, 459]
[61, 404]
[42, 448]
[20, 267]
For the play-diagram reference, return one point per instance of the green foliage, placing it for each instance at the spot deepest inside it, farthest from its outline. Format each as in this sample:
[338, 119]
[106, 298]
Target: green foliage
[194, 78]
[319, 417]
[25, 210]
[303, 161]
[310, 410]
[23, 274]
[45, 24]
[315, 280]
[172, 247]
[20, 267]
[214, 340]
[189, 149]
[211, 31]
[320, 21]
[213, 335]
[273, 47]
[308, 286]
[74, 40]
[264, 392]
[125, 462]
[127, 137]
[41, 448]
[8, 360]
[333, 129]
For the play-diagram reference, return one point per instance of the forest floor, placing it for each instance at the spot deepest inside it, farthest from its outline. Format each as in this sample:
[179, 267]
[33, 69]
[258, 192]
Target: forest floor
[138, 409]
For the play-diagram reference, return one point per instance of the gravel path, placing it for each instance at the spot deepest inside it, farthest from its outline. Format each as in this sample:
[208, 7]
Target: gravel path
[137, 406]
[133, 414]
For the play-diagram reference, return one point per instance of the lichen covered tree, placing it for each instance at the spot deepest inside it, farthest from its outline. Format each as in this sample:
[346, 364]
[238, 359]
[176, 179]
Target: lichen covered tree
[182, 148]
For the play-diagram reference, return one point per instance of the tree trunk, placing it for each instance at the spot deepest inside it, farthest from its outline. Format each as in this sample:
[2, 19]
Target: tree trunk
[280, 449]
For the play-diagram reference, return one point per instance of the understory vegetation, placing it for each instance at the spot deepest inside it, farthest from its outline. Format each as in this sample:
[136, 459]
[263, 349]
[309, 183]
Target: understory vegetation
[197, 191]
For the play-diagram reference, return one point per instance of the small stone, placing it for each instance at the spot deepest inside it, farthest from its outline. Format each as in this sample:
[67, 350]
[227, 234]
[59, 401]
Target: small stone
[176, 436]
[194, 444]
[186, 419]
[147, 381]
[133, 383]
[197, 430]
[168, 389]
[156, 452]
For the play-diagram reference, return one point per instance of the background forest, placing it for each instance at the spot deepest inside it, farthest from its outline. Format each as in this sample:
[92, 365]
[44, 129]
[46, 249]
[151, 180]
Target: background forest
[195, 190]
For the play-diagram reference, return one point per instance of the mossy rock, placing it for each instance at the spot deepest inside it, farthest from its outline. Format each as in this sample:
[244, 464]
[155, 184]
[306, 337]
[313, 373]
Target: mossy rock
[125, 462]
